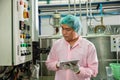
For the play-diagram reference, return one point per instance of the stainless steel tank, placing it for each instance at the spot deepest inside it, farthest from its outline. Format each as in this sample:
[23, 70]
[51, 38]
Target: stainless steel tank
[102, 44]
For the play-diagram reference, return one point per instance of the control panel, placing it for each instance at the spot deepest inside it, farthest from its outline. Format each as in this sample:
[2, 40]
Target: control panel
[16, 22]
[115, 43]
[24, 28]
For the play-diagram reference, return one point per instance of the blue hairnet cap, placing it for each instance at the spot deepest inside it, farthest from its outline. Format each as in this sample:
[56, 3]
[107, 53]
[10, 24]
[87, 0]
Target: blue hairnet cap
[72, 21]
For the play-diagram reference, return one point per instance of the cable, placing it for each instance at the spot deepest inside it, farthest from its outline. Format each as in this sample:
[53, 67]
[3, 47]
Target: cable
[4, 68]
[96, 19]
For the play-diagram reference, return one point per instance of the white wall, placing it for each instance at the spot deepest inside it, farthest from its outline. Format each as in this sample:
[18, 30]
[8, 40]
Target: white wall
[46, 28]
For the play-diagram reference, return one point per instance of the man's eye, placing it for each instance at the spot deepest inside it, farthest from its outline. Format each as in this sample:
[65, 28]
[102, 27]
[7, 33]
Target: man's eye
[68, 29]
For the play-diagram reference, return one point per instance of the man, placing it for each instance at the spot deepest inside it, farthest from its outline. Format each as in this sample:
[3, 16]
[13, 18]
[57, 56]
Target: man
[69, 48]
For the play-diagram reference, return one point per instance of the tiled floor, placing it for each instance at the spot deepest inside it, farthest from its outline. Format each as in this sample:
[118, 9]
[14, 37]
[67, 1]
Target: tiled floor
[46, 78]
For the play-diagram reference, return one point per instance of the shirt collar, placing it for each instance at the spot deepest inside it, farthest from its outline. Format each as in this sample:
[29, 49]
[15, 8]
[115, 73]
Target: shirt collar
[78, 42]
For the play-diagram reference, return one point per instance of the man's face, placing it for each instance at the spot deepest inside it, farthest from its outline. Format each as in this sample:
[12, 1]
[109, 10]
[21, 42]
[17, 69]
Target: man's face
[68, 33]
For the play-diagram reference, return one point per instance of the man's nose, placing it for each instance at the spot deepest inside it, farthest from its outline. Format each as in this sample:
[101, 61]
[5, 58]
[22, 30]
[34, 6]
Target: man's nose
[64, 31]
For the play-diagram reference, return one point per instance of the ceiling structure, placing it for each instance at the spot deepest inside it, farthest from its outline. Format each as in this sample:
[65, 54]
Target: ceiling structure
[62, 6]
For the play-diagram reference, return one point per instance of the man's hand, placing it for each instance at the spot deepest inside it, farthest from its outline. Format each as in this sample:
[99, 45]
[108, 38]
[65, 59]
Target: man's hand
[75, 67]
[68, 65]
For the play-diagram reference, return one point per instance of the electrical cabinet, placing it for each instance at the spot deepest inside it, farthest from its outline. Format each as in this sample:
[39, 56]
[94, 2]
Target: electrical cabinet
[15, 32]
[115, 43]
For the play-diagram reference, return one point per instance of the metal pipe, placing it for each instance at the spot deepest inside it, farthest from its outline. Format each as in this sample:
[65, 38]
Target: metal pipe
[86, 30]
[80, 10]
[69, 6]
[87, 9]
[74, 7]
[117, 48]
[90, 12]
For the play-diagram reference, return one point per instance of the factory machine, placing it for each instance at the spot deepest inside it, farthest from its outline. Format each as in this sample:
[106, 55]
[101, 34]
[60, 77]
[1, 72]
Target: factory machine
[16, 22]
[15, 32]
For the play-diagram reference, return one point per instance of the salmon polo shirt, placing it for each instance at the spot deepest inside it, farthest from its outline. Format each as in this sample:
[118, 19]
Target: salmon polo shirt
[83, 50]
